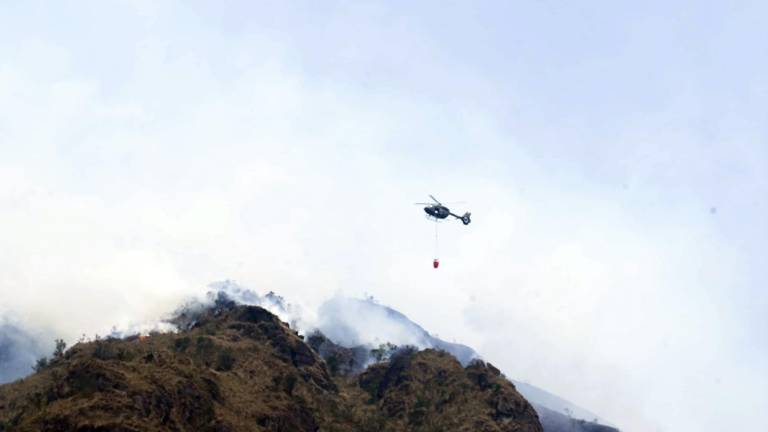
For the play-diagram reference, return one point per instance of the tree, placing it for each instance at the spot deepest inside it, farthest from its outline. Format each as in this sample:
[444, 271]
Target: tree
[61, 346]
[40, 364]
[384, 352]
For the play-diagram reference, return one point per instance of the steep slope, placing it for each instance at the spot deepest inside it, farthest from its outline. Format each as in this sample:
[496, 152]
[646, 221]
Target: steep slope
[230, 372]
[239, 368]
[367, 326]
[559, 415]
[553, 421]
[357, 323]
[429, 390]
[426, 390]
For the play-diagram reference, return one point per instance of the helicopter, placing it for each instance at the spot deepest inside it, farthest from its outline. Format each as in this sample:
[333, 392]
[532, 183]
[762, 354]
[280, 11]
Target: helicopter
[438, 211]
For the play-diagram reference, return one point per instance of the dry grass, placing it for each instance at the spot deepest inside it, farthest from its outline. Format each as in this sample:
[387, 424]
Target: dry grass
[242, 369]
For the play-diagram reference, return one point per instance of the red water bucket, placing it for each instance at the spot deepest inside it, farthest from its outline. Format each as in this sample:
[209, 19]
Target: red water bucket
[436, 263]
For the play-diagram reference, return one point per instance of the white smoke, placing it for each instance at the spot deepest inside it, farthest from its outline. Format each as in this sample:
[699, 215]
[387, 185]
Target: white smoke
[350, 322]
[19, 350]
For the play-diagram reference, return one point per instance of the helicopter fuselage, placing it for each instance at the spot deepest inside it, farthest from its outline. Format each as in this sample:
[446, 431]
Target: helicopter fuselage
[437, 211]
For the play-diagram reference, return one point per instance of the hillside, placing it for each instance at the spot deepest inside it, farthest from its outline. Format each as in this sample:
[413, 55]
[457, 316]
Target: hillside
[239, 368]
[363, 323]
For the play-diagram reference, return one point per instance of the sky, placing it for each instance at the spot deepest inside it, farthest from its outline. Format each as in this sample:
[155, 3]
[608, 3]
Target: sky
[614, 156]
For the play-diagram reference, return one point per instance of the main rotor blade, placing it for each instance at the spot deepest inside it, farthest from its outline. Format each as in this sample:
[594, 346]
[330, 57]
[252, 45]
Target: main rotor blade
[426, 204]
[434, 199]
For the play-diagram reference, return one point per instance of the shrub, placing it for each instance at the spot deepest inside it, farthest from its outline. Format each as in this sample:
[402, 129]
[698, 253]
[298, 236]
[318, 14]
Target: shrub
[333, 364]
[40, 364]
[205, 350]
[226, 360]
[105, 350]
[181, 344]
[383, 352]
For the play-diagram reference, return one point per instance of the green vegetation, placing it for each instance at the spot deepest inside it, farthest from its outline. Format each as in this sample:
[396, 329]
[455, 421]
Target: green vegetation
[181, 344]
[58, 352]
[40, 364]
[226, 360]
[383, 352]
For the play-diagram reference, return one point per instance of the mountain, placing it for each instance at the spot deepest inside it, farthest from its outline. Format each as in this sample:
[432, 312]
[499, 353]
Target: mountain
[560, 415]
[553, 421]
[240, 368]
[364, 324]
[349, 336]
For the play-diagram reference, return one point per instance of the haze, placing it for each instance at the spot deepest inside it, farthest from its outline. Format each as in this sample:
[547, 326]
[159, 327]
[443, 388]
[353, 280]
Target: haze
[614, 156]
